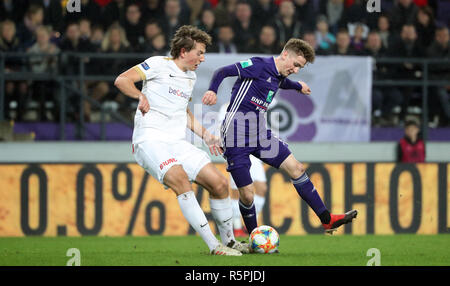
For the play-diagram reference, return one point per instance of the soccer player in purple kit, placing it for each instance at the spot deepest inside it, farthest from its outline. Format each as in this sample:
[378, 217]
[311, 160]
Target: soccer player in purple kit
[244, 130]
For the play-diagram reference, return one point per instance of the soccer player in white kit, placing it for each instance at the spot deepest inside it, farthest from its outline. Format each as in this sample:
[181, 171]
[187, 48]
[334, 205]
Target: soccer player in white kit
[159, 144]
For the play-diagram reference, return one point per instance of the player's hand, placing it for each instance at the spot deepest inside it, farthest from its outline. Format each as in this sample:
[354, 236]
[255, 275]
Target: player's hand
[305, 88]
[209, 98]
[143, 105]
[213, 142]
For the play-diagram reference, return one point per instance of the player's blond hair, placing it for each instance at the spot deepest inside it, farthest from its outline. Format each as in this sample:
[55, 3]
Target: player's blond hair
[301, 48]
[186, 37]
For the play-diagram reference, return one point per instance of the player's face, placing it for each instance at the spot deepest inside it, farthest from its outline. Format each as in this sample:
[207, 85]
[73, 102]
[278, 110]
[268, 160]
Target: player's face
[293, 63]
[195, 57]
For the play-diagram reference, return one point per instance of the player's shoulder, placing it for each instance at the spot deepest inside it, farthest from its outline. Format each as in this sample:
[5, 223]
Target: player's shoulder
[158, 61]
[254, 62]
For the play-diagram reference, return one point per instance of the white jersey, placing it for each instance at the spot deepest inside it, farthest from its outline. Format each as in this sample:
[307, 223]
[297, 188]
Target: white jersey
[168, 90]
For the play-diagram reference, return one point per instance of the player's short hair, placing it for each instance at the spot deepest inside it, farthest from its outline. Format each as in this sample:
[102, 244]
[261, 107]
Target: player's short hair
[186, 37]
[301, 48]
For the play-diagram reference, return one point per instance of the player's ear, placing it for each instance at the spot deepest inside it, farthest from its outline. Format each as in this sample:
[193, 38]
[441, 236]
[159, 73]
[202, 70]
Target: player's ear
[182, 52]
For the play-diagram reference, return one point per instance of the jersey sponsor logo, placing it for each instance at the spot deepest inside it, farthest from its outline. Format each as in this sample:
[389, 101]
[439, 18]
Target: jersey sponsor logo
[270, 96]
[167, 163]
[246, 64]
[145, 66]
[269, 79]
[179, 93]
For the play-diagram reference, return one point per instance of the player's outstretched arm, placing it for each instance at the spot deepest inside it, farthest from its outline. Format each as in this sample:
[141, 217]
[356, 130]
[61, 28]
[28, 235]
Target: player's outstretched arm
[125, 83]
[210, 97]
[298, 85]
[212, 141]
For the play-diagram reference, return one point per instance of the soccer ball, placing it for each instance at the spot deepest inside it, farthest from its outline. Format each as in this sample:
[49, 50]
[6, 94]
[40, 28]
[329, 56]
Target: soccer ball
[264, 239]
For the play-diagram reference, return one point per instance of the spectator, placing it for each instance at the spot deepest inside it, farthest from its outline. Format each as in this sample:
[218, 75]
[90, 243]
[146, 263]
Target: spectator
[70, 65]
[425, 26]
[342, 46]
[310, 37]
[151, 29]
[53, 13]
[406, 47]
[172, 19]
[225, 43]
[196, 8]
[133, 25]
[263, 11]
[333, 10]
[96, 38]
[225, 12]
[402, 13]
[383, 103]
[286, 24]
[72, 42]
[357, 42]
[439, 95]
[207, 23]
[43, 91]
[325, 39]
[13, 10]
[34, 17]
[387, 37]
[159, 45]
[113, 12]
[305, 13]
[153, 9]
[85, 29]
[267, 43]
[15, 91]
[411, 148]
[115, 41]
[89, 10]
[357, 13]
[245, 29]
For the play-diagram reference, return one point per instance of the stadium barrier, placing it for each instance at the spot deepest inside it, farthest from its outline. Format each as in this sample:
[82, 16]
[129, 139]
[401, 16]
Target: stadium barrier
[66, 81]
[106, 199]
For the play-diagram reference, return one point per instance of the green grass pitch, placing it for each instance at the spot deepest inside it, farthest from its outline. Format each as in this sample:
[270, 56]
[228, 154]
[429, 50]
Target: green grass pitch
[311, 250]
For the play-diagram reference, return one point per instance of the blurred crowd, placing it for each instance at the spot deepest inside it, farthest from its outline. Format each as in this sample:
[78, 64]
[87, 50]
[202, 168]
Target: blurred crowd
[403, 28]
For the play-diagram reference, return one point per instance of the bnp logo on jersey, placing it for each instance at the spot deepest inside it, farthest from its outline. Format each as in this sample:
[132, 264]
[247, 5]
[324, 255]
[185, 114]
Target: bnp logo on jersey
[269, 96]
[246, 64]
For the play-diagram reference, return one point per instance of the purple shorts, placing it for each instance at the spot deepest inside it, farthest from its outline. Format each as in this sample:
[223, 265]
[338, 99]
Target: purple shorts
[270, 149]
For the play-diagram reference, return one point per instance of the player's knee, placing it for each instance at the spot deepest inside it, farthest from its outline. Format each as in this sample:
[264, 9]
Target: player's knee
[221, 187]
[247, 197]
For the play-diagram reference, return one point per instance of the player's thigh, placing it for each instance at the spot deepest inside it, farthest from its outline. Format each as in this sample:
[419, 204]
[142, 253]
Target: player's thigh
[191, 158]
[156, 157]
[213, 181]
[177, 179]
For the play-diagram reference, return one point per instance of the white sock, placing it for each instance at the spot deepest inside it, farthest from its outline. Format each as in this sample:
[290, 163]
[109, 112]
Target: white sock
[259, 203]
[237, 222]
[196, 217]
[223, 215]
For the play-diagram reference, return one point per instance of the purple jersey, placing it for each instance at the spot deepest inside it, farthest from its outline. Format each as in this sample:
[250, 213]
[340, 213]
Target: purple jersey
[258, 81]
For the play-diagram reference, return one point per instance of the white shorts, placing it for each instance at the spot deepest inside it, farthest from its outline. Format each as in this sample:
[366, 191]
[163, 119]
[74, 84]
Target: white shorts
[257, 172]
[157, 157]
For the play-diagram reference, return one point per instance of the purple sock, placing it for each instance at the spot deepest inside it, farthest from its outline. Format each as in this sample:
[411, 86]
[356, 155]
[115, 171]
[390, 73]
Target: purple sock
[307, 192]
[249, 215]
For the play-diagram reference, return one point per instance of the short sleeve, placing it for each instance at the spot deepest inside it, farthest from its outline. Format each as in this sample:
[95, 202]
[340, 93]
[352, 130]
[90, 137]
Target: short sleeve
[250, 68]
[148, 69]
